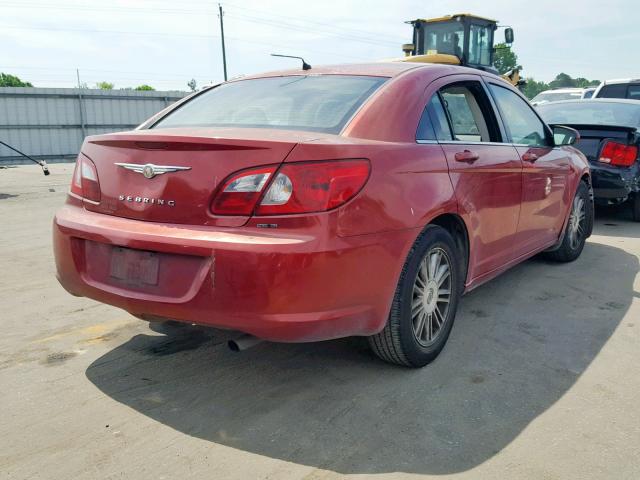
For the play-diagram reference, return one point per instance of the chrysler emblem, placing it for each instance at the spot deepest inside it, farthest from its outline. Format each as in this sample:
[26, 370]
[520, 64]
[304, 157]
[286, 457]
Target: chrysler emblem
[150, 170]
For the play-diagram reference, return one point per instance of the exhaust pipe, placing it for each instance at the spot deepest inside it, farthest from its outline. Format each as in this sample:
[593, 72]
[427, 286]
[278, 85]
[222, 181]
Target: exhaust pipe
[243, 342]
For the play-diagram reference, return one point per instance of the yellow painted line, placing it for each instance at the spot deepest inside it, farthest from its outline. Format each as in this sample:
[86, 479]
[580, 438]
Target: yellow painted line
[95, 331]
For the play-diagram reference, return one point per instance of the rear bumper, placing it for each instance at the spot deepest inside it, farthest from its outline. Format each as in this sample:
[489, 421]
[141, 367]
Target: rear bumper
[614, 185]
[290, 287]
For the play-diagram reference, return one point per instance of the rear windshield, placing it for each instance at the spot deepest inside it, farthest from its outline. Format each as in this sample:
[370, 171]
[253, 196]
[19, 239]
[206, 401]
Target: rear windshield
[592, 112]
[321, 103]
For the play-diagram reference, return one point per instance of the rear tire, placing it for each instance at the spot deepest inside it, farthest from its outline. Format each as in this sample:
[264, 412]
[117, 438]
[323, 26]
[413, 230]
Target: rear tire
[635, 207]
[578, 227]
[425, 302]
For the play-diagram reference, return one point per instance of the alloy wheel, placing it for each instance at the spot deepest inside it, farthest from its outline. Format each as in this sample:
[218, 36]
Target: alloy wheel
[576, 228]
[431, 296]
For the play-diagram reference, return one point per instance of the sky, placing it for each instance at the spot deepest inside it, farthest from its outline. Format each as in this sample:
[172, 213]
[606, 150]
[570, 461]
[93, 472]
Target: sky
[166, 43]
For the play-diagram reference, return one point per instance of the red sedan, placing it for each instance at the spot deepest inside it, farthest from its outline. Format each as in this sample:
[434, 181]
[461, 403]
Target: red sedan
[308, 205]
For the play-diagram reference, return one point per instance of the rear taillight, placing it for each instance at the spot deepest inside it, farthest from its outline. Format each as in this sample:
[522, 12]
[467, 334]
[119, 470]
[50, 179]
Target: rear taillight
[618, 154]
[240, 192]
[85, 181]
[313, 187]
[300, 187]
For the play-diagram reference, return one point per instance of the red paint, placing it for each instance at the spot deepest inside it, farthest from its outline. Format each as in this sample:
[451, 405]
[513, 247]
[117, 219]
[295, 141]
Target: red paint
[317, 275]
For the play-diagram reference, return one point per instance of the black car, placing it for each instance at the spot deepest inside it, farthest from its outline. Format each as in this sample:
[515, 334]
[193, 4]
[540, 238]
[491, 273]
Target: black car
[610, 140]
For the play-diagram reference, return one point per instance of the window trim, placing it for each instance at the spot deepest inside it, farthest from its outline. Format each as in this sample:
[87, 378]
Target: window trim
[493, 121]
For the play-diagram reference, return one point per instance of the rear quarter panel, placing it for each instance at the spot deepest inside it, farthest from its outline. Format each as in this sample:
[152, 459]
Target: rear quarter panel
[408, 186]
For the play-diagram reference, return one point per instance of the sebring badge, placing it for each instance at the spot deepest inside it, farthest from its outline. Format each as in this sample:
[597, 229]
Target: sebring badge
[148, 200]
[150, 170]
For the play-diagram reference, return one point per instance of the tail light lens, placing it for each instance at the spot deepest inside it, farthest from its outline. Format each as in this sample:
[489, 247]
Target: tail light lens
[85, 181]
[618, 154]
[240, 192]
[301, 187]
[314, 187]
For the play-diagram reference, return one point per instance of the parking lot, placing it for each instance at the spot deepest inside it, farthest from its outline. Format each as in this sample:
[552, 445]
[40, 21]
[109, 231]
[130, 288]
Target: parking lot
[539, 379]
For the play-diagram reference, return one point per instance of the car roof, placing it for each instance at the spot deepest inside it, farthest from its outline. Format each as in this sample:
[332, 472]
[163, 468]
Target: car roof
[389, 68]
[621, 80]
[564, 90]
[587, 101]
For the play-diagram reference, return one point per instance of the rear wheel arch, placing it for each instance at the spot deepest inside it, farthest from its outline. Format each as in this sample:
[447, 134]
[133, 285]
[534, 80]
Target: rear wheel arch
[456, 227]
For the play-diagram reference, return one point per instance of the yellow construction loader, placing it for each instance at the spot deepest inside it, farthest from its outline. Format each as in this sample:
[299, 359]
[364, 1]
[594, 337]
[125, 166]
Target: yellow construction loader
[460, 39]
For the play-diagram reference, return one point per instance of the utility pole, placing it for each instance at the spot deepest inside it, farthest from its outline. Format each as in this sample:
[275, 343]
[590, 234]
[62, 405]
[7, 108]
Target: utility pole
[224, 53]
[83, 126]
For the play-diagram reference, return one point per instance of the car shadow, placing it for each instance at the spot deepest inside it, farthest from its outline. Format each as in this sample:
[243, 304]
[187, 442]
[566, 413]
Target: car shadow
[518, 345]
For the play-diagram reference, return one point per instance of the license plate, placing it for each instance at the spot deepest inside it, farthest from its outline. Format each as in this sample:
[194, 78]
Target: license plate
[134, 266]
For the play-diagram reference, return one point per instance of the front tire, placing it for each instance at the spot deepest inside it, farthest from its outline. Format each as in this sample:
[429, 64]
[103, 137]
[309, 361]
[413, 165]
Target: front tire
[425, 302]
[578, 227]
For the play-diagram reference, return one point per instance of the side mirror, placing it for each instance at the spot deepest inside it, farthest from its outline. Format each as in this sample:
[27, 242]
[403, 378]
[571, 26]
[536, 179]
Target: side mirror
[508, 35]
[408, 49]
[564, 135]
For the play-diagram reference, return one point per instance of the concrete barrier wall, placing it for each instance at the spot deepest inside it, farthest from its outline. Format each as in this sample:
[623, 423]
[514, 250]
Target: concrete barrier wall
[51, 123]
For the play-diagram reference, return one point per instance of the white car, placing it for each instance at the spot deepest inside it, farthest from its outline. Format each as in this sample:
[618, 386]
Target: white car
[620, 88]
[559, 94]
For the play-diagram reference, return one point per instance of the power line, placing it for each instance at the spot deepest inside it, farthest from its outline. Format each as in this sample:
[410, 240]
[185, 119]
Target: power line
[84, 69]
[363, 33]
[264, 17]
[304, 29]
[173, 34]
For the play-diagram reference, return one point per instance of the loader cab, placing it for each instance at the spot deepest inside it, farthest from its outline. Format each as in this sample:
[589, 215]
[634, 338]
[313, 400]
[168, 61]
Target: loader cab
[467, 39]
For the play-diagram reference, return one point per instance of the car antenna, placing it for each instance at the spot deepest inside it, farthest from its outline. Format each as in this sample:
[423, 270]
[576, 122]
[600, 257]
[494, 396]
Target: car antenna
[305, 65]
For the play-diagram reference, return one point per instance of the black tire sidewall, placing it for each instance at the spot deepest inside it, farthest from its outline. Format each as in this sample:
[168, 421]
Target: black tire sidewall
[583, 191]
[434, 236]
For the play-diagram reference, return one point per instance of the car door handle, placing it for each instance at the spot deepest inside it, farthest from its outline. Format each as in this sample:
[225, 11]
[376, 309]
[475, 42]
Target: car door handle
[529, 157]
[466, 156]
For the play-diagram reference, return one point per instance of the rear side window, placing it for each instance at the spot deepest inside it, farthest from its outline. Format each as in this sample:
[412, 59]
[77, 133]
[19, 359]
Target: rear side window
[434, 124]
[522, 124]
[634, 92]
[470, 114]
[613, 91]
[322, 103]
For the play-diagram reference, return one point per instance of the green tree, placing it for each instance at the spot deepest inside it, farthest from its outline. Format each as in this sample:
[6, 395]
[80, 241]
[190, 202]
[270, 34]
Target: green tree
[583, 82]
[504, 58]
[144, 87]
[7, 80]
[192, 84]
[105, 85]
[532, 88]
[562, 80]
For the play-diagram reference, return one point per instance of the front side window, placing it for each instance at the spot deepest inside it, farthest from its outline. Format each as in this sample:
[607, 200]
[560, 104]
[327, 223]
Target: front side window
[323, 103]
[447, 38]
[634, 92]
[480, 45]
[466, 106]
[522, 124]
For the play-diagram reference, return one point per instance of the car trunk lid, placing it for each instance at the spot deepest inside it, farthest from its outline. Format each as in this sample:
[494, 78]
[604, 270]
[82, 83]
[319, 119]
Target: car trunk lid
[197, 160]
[592, 138]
